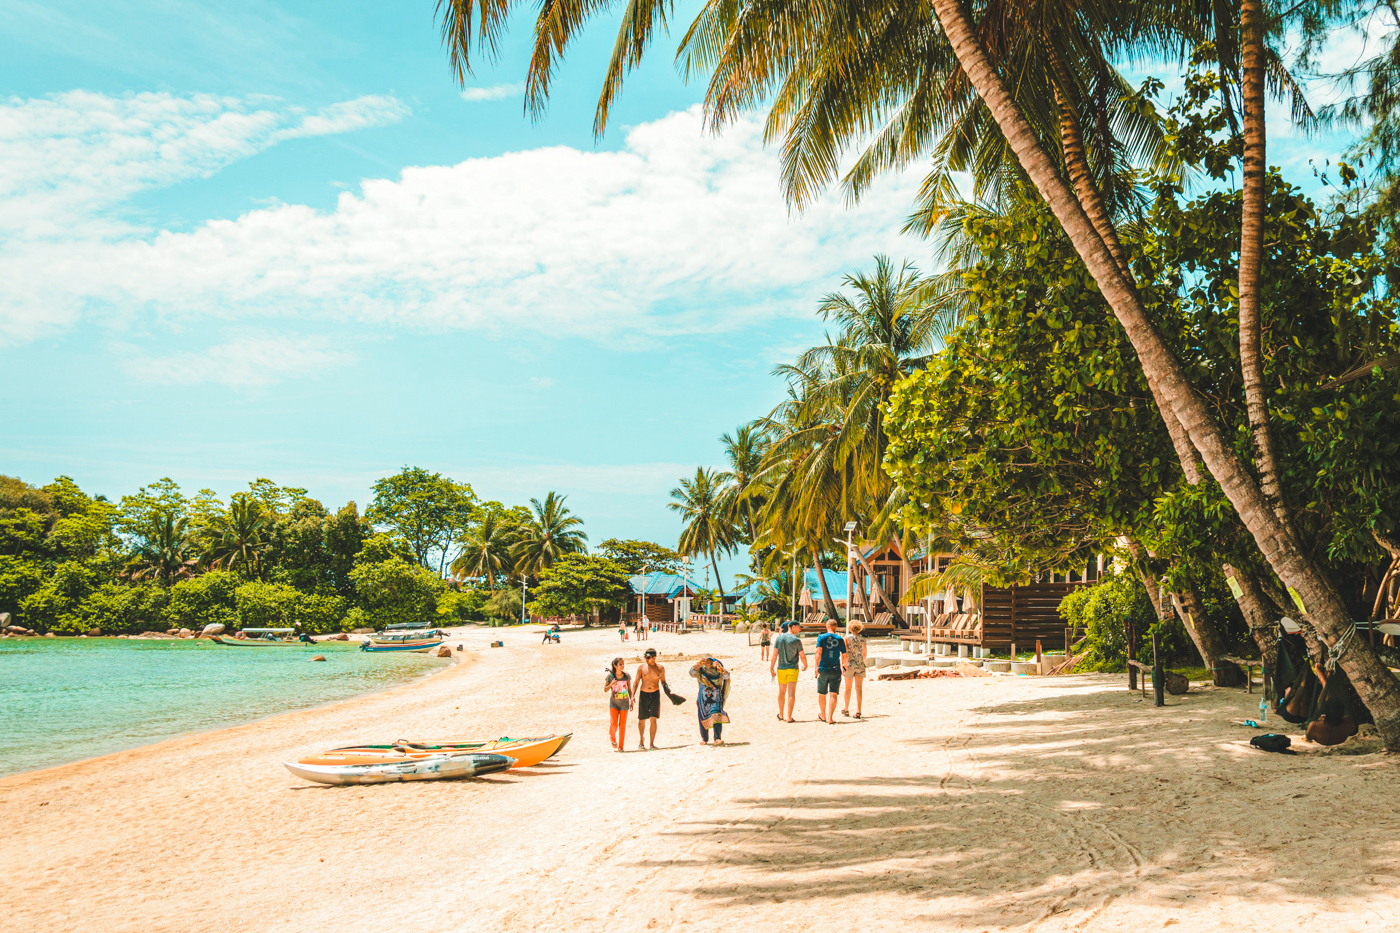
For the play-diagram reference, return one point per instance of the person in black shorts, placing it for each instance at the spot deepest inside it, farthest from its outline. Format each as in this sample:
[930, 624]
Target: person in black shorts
[650, 677]
[831, 662]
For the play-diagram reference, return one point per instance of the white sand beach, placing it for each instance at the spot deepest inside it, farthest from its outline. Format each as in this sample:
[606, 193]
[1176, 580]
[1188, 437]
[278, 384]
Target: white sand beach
[975, 804]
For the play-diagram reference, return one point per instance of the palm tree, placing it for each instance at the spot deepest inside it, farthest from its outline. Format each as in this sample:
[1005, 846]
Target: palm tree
[708, 529]
[486, 550]
[238, 538]
[553, 532]
[741, 495]
[165, 548]
[1023, 127]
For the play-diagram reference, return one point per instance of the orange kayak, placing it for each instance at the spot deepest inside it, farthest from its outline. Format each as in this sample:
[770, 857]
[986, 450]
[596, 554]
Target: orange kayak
[526, 752]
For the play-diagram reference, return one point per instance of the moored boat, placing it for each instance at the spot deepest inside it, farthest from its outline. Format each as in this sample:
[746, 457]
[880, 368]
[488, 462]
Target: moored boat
[386, 769]
[265, 638]
[404, 637]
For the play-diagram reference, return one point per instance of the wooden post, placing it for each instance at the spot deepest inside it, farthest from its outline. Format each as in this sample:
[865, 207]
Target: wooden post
[1132, 655]
[1158, 675]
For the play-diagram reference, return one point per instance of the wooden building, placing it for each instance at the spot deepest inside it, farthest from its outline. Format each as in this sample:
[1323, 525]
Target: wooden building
[661, 597]
[994, 619]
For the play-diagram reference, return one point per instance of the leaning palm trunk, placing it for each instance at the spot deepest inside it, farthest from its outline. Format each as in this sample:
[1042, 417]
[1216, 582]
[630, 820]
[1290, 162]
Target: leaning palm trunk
[879, 591]
[1204, 635]
[1376, 686]
[829, 603]
[1254, 197]
[1263, 624]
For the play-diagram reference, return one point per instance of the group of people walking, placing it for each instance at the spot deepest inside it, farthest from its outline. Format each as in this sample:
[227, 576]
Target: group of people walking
[840, 659]
[642, 692]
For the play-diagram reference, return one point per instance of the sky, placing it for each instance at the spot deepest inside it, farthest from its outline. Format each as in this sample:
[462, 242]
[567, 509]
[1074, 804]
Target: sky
[263, 239]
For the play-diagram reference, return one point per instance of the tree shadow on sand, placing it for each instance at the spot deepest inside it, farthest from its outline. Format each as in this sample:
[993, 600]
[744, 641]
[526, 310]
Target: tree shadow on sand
[1030, 809]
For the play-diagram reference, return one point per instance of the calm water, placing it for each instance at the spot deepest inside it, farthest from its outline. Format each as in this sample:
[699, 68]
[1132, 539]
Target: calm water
[66, 699]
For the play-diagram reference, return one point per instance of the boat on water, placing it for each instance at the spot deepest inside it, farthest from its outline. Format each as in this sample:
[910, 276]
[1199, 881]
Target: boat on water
[385, 769]
[526, 752]
[265, 638]
[404, 637]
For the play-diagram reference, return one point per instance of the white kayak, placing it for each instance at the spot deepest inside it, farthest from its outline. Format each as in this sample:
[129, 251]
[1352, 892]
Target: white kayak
[427, 768]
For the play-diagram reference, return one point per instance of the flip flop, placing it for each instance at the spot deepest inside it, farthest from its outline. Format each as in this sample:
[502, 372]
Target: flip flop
[857, 715]
[845, 712]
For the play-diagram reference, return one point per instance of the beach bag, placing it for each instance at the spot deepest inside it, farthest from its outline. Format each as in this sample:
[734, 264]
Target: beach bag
[1271, 742]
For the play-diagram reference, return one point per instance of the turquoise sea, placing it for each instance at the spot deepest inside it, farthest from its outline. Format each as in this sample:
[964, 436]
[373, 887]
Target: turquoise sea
[72, 698]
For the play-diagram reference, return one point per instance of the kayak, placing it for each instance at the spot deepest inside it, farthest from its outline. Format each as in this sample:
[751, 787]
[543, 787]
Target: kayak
[527, 752]
[389, 768]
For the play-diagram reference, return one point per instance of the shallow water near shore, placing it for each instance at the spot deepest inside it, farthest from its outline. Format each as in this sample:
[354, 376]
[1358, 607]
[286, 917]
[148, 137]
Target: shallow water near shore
[68, 699]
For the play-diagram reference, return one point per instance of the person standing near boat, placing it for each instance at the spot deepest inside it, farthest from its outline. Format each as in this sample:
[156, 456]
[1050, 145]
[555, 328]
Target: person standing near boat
[650, 679]
[831, 663]
[709, 702]
[855, 666]
[618, 687]
[787, 654]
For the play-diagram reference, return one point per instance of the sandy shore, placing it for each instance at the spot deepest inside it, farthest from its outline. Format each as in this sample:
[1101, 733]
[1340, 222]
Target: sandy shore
[977, 804]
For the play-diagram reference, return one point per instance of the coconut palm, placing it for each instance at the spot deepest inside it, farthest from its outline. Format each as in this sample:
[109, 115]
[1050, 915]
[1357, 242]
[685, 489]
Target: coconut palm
[239, 538]
[553, 532]
[741, 495]
[708, 529]
[165, 549]
[486, 550]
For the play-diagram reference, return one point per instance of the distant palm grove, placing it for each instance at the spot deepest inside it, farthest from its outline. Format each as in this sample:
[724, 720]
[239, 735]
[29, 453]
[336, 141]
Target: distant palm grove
[426, 550]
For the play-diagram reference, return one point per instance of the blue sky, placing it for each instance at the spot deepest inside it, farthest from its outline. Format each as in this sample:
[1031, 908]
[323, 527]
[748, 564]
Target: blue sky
[274, 239]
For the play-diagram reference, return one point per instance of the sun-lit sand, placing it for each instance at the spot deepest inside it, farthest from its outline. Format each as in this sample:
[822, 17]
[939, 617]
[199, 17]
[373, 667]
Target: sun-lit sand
[975, 804]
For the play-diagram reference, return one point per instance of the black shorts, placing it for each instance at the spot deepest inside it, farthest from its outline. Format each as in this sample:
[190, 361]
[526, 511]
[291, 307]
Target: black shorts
[828, 681]
[649, 704]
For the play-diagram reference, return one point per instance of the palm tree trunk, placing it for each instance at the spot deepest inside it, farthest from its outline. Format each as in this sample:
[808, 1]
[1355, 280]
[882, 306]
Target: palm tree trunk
[1327, 612]
[879, 591]
[1252, 249]
[1263, 624]
[714, 562]
[829, 603]
[1203, 635]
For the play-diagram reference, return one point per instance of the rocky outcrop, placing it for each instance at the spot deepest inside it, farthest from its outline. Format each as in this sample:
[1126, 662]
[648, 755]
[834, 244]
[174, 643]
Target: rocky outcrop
[319, 657]
[341, 637]
[213, 628]
[94, 632]
[444, 652]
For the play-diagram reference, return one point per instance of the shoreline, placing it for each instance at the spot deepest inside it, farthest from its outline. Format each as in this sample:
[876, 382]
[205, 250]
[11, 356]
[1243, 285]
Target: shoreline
[457, 661]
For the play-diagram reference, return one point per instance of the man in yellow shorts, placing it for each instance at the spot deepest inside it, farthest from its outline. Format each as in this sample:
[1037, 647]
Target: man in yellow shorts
[787, 654]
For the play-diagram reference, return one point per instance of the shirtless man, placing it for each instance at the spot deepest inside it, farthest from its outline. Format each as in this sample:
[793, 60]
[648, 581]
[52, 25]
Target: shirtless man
[647, 699]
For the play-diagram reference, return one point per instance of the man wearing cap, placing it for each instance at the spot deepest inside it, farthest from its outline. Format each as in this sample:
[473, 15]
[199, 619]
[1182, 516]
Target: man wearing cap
[650, 677]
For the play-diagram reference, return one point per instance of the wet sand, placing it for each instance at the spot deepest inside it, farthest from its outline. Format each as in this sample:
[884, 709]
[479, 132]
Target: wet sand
[976, 804]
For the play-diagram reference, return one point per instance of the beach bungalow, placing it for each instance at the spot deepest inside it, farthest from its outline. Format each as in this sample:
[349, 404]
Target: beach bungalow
[660, 597]
[992, 620]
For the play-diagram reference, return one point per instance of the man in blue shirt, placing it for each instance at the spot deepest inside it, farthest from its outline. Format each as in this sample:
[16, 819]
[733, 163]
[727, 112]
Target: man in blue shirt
[831, 661]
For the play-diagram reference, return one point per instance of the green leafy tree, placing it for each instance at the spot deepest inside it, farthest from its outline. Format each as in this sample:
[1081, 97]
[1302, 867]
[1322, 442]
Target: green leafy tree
[161, 498]
[207, 599]
[458, 606]
[58, 605]
[19, 577]
[581, 585]
[123, 608]
[428, 510]
[345, 533]
[640, 556]
[485, 551]
[396, 591]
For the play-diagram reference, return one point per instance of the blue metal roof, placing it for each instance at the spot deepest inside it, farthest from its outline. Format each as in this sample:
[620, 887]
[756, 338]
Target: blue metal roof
[668, 585]
[835, 582]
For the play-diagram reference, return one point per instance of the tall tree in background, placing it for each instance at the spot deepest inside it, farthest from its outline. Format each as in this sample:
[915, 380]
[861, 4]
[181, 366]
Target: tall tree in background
[165, 548]
[553, 532]
[428, 510]
[486, 549]
[237, 542]
[741, 495]
[707, 529]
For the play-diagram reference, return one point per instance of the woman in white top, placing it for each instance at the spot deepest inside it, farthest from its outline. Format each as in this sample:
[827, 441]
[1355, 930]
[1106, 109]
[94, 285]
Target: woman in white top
[855, 671]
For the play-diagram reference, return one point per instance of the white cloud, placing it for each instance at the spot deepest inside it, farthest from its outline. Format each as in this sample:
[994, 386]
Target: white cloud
[254, 360]
[495, 92]
[678, 232]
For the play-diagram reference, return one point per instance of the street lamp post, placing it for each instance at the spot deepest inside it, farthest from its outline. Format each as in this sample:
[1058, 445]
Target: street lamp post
[523, 617]
[850, 590]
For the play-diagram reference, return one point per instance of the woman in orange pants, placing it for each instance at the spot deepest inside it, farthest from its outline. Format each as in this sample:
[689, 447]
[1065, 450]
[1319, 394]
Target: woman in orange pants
[618, 686]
